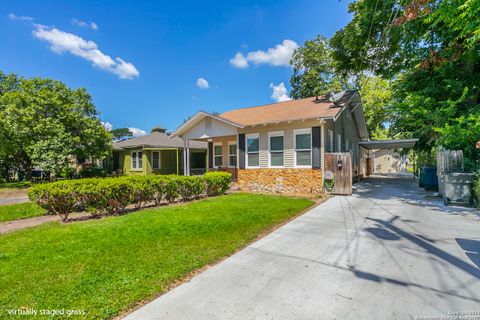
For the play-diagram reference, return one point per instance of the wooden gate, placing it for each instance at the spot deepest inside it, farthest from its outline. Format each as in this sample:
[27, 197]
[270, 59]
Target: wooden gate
[340, 164]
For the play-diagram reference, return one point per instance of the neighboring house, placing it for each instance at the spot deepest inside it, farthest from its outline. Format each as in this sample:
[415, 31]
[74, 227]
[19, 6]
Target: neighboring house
[157, 153]
[280, 147]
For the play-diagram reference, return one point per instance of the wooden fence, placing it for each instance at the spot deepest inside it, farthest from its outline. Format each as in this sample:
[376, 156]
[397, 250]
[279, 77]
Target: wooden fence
[449, 161]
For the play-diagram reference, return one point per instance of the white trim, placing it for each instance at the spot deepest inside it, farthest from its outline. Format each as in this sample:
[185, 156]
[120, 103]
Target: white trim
[330, 141]
[159, 160]
[197, 118]
[247, 136]
[276, 134]
[230, 143]
[136, 168]
[301, 131]
[339, 142]
[216, 144]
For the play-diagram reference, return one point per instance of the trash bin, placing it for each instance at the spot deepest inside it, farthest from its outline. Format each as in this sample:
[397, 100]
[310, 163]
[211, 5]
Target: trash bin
[430, 179]
[457, 188]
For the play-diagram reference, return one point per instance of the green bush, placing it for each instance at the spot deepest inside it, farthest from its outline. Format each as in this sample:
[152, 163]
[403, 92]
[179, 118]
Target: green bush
[91, 172]
[102, 196]
[171, 188]
[190, 187]
[217, 182]
[144, 190]
[59, 198]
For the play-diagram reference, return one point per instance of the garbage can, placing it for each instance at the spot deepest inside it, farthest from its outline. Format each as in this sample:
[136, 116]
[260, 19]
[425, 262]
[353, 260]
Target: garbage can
[430, 179]
[457, 188]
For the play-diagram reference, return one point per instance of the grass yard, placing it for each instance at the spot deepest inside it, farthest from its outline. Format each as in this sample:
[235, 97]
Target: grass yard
[20, 211]
[107, 266]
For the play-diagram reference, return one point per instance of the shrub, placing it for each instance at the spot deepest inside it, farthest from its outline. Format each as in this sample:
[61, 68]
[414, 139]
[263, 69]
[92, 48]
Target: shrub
[190, 187]
[91, 172]
[112, 195]
[217, 182]
[171, 188]
[144, 190]
[58, 198]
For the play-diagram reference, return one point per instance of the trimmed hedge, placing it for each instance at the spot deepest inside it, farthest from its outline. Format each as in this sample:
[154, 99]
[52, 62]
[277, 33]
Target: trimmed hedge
[112, 195]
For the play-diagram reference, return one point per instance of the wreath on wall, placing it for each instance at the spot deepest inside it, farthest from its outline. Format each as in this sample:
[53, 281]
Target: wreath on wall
[329, 181]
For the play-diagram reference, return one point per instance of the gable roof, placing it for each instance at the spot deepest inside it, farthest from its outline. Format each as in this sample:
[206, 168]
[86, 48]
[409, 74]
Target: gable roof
[156, 140]
[307, 108]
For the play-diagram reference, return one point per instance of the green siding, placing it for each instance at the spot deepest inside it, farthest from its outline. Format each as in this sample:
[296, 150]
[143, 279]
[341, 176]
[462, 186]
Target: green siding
[168, 162]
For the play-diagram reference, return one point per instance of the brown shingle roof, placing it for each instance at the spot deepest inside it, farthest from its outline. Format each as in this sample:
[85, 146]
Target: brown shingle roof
[307, 108]
[157, 140]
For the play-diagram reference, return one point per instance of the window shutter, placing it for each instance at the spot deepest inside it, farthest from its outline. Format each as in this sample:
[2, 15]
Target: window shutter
[316, 138]
[241, 151]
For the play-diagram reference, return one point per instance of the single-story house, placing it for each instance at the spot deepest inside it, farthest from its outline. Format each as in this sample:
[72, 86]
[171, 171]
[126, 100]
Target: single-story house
[157, 153]
[281, 147]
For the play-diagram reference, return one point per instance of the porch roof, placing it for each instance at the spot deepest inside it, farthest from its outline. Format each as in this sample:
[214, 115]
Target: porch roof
[388, 144]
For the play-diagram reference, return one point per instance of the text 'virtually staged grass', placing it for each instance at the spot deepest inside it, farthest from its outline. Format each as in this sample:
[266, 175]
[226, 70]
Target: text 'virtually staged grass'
[101, 268]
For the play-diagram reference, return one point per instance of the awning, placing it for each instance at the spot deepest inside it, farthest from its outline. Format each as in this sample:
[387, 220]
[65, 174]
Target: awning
[388, 144]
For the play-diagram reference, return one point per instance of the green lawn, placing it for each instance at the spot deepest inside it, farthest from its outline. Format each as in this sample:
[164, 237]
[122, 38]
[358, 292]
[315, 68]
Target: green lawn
[20, 211]
[106, 266]
[15, 185]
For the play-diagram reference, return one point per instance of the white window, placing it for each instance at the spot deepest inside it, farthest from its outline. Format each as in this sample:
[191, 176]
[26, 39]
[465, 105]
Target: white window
[155, 160]
[232, 154]
[217, 155]
[275, 145]
[339, 142]
[303, 147]
[253, 149]
[137, 162]
[330, 140]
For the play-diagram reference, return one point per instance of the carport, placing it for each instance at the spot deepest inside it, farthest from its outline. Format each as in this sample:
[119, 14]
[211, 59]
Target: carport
[374, 146]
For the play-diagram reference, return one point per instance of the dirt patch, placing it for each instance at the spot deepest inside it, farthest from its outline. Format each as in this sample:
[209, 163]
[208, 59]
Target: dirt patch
[13, 193]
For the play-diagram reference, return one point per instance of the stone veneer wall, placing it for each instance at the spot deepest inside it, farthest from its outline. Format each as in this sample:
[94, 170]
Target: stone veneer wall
[295, 180]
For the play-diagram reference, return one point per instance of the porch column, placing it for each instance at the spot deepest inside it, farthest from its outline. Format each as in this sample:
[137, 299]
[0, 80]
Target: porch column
[210, 155]
[186, 158]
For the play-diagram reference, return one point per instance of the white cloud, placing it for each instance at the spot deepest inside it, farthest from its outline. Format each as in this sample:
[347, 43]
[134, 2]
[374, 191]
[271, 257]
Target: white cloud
[107, 125]
[239, 61]
[13, 16]
[83, 24]
[61, 42]
[280, 55]
[137, 132]
[279, 92]
[202, 83]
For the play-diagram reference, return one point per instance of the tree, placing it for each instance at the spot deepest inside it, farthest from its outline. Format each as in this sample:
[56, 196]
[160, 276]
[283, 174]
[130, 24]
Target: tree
[44, 123]
[431, 51]
[376, 102]
[312, 70]
[121, 133]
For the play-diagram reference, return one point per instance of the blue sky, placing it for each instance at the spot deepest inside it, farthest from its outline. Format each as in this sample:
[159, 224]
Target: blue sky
[142, 60]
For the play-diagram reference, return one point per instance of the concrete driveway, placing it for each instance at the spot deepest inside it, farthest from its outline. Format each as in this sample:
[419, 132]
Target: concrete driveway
[390, 251]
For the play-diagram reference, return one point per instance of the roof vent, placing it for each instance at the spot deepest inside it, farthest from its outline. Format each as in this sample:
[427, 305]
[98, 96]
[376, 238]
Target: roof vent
[159, 129]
